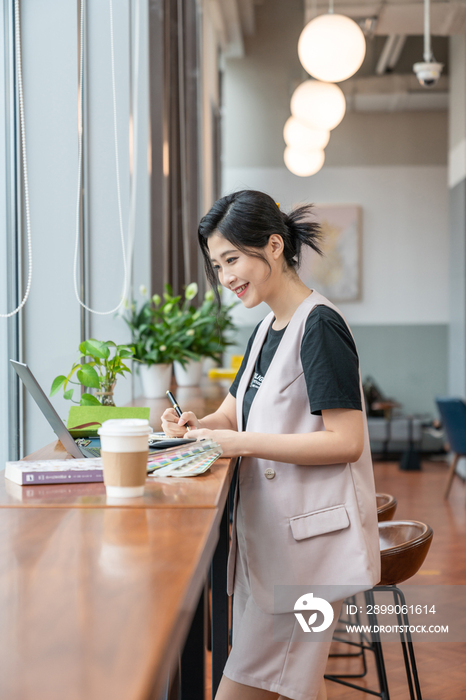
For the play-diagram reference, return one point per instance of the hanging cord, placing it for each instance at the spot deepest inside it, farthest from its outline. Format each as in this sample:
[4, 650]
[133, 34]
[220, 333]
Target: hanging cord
[24, 159]
[80, 155]
[135, 106]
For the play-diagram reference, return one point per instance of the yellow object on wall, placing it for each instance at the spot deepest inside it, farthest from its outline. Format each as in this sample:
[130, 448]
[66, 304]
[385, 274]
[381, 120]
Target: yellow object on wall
[227, 372]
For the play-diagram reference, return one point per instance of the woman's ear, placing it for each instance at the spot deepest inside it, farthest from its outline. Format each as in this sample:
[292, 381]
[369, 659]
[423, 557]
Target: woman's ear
[276, 245]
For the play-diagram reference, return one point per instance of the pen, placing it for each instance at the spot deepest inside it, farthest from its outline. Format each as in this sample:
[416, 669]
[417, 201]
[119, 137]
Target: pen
[176, 407]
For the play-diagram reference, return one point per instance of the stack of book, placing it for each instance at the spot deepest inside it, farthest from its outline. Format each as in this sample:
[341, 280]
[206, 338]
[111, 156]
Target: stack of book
[189, 459]
[55, 471]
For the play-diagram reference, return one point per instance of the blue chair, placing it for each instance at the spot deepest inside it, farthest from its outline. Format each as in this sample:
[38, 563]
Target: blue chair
[453, 415]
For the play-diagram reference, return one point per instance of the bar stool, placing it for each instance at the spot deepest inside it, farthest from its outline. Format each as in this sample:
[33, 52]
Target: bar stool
[403, 548]
[386, 507]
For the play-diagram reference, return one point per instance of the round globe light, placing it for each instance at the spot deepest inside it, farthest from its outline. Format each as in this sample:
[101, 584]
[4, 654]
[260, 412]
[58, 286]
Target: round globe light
[332, 48]
[297, 135]
[303, 162]
[318, 105]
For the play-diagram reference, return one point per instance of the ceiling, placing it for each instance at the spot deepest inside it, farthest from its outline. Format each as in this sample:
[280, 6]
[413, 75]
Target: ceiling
[398, 16]
[394, 40]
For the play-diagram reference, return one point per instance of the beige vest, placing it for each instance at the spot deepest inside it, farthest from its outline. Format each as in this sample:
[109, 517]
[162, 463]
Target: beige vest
[308, 525]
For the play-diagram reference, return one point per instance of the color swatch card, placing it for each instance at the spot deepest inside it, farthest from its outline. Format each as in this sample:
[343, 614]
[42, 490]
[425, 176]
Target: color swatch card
[180, 455]
[190, 467]
[190, 461]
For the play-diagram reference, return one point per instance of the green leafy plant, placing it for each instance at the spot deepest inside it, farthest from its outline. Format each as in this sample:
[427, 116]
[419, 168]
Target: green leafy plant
[212, 339]
[99, 372]
[172, 329]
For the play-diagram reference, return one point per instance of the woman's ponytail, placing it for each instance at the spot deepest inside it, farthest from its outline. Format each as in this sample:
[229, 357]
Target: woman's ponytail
[302, 230]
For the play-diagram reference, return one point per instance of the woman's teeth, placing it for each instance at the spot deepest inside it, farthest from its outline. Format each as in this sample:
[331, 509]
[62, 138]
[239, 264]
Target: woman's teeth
[240, 290]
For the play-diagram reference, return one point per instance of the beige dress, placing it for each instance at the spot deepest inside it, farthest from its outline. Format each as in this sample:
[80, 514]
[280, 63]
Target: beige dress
[271, 653]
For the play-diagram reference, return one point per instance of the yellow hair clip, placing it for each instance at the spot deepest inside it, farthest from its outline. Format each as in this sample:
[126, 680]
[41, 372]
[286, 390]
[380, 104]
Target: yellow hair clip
[278, 204]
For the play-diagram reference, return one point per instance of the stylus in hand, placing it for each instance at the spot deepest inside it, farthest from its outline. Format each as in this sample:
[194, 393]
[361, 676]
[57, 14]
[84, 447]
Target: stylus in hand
[176, 407]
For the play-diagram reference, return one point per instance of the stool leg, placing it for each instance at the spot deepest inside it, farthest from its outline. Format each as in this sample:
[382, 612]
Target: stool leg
[354, 619]
[451, 474]
[407, 646]
[377, 647]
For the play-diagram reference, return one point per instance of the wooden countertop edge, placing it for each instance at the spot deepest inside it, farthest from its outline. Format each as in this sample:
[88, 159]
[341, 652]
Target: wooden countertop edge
[219, 504]
[57, 447]
[153, 687]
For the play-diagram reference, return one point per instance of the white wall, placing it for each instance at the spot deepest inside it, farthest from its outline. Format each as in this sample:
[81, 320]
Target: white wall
[405, 236]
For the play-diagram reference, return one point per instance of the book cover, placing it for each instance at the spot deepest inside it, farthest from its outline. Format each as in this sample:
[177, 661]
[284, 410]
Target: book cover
[55, 471]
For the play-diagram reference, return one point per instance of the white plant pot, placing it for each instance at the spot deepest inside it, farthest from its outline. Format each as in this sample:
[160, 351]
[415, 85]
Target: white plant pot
[190, 375]
[156, 380]
[208, 363]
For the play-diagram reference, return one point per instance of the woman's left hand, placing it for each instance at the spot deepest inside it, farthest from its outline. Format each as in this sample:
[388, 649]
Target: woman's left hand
[229, 440]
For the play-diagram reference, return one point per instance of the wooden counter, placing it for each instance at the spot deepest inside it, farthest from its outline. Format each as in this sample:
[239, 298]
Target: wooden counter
[96, 603]
[97, 596]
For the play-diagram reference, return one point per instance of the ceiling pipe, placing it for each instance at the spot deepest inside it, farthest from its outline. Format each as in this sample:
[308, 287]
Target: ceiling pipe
[387, 50]
[397, 49]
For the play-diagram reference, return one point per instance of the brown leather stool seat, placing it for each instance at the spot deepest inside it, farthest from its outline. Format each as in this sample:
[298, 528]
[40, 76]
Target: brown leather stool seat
[403, 547]
[386, 506]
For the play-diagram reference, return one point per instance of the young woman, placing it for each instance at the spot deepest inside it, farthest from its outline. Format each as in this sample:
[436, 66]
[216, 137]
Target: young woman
[305, 508]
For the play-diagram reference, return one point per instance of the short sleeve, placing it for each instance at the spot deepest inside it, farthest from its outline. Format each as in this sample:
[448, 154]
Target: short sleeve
[234, 387]
[330, 362]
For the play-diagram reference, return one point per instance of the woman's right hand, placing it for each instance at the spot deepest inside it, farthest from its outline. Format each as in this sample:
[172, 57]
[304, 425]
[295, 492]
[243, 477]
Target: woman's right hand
[175, 426]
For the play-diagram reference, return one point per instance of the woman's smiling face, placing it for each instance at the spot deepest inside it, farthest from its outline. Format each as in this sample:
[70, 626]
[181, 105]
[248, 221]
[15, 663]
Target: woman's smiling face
[247, 276]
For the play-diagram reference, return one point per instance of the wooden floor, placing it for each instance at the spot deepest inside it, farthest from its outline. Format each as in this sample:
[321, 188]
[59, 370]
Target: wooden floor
[441, 666]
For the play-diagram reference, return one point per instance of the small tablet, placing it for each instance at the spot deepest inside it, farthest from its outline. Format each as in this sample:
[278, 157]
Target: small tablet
[160, 441]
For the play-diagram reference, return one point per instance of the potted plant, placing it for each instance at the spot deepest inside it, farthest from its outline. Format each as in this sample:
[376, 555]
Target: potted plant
[207, 326]
[158, 339]
[173, 331]
[198, 331]
[223, 326]
[100, 372]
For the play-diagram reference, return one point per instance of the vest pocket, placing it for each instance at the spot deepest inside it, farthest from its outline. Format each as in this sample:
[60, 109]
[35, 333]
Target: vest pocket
[319, 522]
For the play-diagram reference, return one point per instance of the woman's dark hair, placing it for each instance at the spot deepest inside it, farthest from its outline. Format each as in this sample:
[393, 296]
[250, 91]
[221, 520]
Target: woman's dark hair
[248, 218]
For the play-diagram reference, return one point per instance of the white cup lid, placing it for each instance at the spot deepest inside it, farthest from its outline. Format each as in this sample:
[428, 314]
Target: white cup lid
[125, 426]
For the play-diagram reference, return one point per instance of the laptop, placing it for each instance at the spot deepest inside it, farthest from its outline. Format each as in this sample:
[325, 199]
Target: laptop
[79, 447]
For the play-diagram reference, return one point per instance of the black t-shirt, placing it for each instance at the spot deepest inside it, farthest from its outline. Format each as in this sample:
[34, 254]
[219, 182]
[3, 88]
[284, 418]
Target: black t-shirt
[329, 359]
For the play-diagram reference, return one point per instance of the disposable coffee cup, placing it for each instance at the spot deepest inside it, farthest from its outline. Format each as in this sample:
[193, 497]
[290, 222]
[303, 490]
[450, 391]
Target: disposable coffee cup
[124, 448]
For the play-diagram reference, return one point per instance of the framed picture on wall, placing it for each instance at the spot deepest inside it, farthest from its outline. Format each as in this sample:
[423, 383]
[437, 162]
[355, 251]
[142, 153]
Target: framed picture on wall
[336, 274]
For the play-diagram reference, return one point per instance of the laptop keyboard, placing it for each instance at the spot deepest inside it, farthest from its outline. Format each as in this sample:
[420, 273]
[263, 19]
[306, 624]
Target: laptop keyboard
[94, 451]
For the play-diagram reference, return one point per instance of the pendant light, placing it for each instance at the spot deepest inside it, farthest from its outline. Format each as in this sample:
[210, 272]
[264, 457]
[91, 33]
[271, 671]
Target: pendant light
[331, 47]
[318, 105]
[297, 135]
[303, 162]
